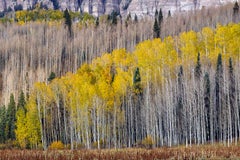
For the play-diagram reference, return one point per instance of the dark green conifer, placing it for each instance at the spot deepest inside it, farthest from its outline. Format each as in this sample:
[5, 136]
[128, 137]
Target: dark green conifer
[68, 21]
[156, 29]
[11, 119]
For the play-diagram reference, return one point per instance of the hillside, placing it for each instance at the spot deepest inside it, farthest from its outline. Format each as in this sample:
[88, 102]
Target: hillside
[99, 7]
[113, 82]
[180, 90]
[33, 47]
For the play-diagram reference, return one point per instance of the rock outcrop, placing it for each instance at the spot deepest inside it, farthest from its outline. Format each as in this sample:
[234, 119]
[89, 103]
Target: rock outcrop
[99, 7]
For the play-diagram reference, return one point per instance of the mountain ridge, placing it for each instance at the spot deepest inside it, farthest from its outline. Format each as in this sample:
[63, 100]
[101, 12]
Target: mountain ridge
[99, 7]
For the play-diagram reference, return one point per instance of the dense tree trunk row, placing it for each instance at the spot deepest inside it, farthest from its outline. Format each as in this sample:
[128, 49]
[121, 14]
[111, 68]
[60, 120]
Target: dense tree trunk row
[29, 53]
[200, 105]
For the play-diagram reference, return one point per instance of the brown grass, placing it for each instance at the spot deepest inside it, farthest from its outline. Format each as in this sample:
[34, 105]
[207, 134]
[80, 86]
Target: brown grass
[195, 152]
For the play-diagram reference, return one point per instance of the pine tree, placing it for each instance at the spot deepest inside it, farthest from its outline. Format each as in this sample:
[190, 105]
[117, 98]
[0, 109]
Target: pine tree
[21, 102]
[235, 11]
[2, 124]
[232, 96]
[169, 14]
[156, 29]
[218, 94]
[207, 89]
[180, 103]
[160, 18]
[137, 110]
[11, 119]
[235, 8]
[97, 22]
[51, 77]
[137, 82]
[160, 21]
[113, 17]
[198, 70]
[68, 21]
[231, 84]
[135, 18]
[156, 14]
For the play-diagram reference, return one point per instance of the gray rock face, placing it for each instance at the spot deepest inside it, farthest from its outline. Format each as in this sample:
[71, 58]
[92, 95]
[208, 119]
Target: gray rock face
[99, 7]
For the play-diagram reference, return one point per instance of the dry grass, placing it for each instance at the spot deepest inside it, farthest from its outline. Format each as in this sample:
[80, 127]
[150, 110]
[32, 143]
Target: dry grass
[195, 152]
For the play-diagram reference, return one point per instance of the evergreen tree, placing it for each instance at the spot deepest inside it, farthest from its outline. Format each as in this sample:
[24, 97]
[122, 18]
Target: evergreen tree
[135, 18]
[218, 94]
[137, 82]
[160, 18]
[11, 119]
[2, 124]
[179, 105]
[156, 29]
[68, 21]
[235, 12]
[198, 70]
[113, 17]
[129, 17]
[232, 95]
[235, 8]
[51, 76]
[169, 13]
[97, 22]
[156, 14]
[21, 102]
[207, 98]
[137, 110]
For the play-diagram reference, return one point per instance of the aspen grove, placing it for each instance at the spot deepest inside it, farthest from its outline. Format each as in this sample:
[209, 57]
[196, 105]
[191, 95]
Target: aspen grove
[180, 90]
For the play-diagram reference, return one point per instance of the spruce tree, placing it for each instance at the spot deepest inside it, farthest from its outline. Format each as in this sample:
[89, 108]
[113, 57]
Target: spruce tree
[11, 119]
[169, 13]
[156, 29]
[137, 110]
[235, 12]
[232, 95]
[21, 102]
[160, 17]
[207, 89]
[2, 124]
[156, 14]
[198, 70]
[160, 21]
[97, 22]
[235, 8]
[218, 96]
[137, 82]
[68, 21]
[135, 18]
[180, 103]
[112, 18]
[51, 77]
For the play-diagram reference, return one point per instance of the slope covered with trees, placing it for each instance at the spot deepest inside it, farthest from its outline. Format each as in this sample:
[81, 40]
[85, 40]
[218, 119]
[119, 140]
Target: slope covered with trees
[181, 90]
[35, 43]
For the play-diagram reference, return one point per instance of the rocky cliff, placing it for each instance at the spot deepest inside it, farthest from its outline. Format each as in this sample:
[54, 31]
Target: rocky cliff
[99, 7]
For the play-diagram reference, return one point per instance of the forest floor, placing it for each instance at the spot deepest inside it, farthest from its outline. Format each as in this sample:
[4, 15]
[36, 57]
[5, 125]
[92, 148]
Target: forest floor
[195, 152]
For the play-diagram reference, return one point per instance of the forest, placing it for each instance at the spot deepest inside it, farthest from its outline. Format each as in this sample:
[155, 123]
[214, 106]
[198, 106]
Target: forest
[125, 89]
[182, 90]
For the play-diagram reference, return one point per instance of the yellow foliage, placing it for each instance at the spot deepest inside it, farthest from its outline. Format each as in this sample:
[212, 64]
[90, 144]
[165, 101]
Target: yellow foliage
[148, 142]
[103, 83]
[56, 145]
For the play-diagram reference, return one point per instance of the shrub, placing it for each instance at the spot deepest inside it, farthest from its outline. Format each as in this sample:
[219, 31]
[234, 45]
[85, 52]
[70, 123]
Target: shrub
[56, 145]
[148, 142]
[101, 143]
